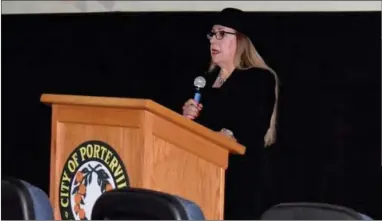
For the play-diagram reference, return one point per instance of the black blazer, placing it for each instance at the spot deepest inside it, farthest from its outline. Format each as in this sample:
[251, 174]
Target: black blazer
[244, 105]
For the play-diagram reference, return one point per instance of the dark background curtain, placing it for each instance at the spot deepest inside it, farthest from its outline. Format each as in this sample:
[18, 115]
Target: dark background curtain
[329, 64]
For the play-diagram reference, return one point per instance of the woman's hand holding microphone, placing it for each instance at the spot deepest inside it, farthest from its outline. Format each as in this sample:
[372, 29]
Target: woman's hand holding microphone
[191, 109]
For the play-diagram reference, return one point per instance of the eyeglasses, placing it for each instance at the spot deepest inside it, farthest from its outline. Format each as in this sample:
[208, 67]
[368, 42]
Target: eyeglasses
[219, 34]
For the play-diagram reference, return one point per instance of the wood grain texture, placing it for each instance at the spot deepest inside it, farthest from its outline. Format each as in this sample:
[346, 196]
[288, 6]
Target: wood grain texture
[174, 170]
[160, 149]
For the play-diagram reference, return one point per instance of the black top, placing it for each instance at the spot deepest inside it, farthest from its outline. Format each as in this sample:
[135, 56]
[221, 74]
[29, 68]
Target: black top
[244, 105]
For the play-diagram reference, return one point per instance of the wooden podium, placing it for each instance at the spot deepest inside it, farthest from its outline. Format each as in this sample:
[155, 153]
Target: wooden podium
[101, 143]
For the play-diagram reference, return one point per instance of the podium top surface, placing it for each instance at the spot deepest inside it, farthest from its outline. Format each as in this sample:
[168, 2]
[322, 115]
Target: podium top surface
[145, 105]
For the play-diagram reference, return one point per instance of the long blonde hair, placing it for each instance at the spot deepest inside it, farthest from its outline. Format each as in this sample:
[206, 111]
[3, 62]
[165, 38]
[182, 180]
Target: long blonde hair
[247, 57]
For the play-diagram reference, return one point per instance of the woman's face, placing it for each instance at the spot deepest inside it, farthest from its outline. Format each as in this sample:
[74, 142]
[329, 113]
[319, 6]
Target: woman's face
[222, 45]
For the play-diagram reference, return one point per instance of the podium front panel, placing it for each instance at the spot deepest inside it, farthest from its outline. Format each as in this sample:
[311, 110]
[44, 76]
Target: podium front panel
[91, 156]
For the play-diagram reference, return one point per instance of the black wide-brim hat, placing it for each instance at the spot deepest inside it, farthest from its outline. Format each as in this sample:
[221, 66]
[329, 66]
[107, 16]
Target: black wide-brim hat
[233, 18]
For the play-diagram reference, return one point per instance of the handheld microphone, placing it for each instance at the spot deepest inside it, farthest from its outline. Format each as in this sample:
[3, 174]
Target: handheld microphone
[199, 82]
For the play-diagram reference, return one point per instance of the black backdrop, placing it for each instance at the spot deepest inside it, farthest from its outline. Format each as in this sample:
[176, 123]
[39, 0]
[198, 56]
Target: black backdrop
[329, 65]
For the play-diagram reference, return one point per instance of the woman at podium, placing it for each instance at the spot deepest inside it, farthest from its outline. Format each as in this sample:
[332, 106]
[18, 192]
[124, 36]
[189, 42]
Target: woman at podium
[239, 100]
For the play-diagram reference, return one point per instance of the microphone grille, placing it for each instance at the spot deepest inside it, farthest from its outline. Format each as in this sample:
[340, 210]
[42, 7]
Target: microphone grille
[200, 82]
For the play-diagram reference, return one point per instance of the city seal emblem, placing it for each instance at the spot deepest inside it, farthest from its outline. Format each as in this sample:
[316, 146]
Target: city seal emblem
[91, 169]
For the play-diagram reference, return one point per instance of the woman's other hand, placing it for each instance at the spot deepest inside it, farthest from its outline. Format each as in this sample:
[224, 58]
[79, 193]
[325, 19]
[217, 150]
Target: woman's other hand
[191, 109]
[228, 134]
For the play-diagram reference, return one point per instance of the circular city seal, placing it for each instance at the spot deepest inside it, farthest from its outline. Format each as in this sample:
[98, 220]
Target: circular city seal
[91, 169]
